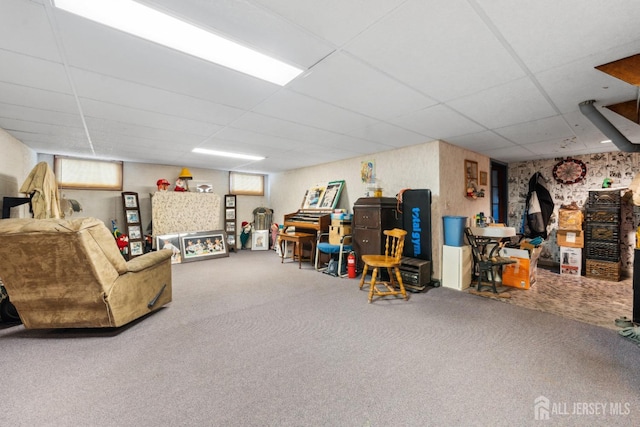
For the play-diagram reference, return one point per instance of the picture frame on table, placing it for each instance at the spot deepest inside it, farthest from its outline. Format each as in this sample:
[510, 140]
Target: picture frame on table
[260, 240]
[203, 245]
[170, 242]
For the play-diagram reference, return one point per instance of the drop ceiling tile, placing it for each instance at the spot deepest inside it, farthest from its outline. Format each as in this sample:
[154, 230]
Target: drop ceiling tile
[518, 101]
[551, 33]
[423, 46]
[301, 109]
[437, 122]
[148, 119]
[231, 139]
[25, 29]
[538, 130]
[335, 20]
[28, 115]
[118, 92]
[116, 131]
[479, 141]
[38, 99]
[348, 83]
[510, 154]
[282, 128]
[389, 135]
[33, 72]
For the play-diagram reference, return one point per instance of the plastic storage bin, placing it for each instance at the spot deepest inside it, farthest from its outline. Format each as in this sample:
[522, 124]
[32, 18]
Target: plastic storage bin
[454, 230]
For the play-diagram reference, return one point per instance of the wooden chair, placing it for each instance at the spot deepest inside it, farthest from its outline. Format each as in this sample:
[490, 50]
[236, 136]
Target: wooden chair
[486, 266]
[389, 261]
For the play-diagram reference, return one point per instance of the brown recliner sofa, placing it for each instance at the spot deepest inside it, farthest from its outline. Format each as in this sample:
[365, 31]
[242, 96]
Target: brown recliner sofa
[70, 274]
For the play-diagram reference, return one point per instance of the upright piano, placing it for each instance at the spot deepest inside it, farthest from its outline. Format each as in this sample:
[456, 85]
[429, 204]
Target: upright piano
[309, 220]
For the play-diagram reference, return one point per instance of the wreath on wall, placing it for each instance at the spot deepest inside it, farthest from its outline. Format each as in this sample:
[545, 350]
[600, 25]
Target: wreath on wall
[569, 171]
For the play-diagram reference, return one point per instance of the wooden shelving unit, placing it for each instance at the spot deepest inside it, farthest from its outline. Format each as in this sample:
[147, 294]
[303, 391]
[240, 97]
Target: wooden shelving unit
[133, 221]
[230, 220]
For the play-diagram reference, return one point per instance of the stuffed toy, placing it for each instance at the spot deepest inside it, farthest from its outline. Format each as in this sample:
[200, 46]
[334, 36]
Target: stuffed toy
[244, 235]
[274, 235]
[180, 185]
[162, 184]
[122, 240]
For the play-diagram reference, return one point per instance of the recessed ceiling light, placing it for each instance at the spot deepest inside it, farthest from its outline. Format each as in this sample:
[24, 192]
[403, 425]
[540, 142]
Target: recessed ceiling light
[227, 154]
[150, 24]
[606, 141]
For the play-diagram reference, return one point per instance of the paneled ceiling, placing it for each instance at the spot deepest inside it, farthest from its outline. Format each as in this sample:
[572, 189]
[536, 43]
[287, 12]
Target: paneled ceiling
[498, 77]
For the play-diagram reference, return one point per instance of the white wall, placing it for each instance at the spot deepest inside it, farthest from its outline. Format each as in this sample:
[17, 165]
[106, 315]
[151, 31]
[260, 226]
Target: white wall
[436, 165]
[16, 162]
[141, 178]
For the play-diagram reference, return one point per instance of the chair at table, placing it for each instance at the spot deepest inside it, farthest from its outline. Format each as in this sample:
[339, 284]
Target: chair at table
[486, 266]
[394, 243]
[323, 246]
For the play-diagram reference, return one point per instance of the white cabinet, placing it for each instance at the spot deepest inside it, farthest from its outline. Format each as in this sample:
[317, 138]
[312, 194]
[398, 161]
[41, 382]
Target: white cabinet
[456, 267]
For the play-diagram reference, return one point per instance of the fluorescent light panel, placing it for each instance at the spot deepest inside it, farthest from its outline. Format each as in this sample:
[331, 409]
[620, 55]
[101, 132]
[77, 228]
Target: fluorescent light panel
[150, 24]
[226, 154]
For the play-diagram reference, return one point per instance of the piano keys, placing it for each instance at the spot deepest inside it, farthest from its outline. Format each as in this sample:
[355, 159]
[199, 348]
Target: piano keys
[309, 220]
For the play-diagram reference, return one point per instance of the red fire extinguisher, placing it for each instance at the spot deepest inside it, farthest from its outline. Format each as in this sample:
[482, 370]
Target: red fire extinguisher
[351, 265]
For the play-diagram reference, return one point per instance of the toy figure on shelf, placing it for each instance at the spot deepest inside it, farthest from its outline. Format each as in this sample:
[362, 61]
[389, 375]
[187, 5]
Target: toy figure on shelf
[162, 184]
[244, 235]
[180, 185]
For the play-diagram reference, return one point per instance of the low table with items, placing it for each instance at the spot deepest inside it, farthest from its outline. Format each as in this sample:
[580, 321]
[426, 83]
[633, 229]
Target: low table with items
[298, 239]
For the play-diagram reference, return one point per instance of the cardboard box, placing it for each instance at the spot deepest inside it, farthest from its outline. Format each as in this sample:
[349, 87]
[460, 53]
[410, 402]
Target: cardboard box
[570, 219]
[570, 261]
[522, 274]
[336, 233]
[340, 222]
[570, 238]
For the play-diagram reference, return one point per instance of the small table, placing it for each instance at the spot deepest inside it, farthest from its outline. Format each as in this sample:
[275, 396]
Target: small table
[299, 239]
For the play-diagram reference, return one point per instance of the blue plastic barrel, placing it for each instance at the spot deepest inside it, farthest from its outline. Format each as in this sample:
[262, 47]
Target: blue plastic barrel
[454, 230]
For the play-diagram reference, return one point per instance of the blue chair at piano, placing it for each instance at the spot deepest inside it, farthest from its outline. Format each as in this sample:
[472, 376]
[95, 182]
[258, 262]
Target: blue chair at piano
[337, 265]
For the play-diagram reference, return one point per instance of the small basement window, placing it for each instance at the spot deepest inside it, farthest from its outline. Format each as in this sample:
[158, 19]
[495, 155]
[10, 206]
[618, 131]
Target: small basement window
[87, 174]
[246, 184]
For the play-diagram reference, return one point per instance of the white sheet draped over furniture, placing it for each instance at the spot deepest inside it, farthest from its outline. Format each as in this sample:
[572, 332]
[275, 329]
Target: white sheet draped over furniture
[180, 212]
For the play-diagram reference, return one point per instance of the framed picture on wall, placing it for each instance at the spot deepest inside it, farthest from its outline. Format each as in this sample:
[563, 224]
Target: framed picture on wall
[483, 178]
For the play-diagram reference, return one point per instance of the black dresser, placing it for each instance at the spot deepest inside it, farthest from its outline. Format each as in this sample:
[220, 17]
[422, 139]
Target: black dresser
[371, 216]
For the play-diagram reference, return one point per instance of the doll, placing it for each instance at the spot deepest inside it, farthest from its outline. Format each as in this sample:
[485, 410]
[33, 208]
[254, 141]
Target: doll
[244, 235]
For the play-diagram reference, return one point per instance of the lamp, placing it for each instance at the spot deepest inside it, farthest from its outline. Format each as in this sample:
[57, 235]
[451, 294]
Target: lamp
[185, 175]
